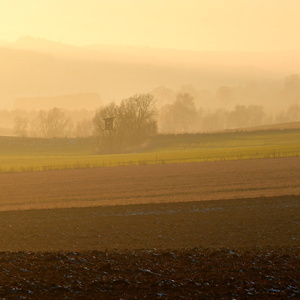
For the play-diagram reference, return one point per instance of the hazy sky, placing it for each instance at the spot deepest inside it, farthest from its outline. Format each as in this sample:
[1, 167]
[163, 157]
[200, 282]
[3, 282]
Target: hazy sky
[181, 24]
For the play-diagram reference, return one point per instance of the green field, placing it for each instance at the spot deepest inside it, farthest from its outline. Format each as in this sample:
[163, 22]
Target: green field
[32, 154]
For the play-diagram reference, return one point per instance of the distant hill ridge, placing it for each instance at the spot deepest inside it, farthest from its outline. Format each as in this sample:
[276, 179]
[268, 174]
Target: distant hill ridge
[40, 67]
[87, 101]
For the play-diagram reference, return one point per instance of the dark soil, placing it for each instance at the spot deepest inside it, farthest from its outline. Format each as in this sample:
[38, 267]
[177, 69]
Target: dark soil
[227, 249]
[152, 274]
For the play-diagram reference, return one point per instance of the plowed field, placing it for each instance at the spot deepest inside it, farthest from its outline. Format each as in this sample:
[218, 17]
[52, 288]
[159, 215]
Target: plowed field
[171, 242]
[151, 184]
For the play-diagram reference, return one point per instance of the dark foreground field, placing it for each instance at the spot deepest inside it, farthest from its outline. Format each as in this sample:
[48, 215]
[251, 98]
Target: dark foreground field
[169, 243]
[230, 249]
[152, 274]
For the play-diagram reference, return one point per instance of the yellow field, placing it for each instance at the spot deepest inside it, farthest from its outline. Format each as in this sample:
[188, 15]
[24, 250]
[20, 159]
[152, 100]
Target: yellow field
[25, 155]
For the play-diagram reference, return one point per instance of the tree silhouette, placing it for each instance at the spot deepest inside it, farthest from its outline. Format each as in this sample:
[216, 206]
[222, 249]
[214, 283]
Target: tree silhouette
[133, 122]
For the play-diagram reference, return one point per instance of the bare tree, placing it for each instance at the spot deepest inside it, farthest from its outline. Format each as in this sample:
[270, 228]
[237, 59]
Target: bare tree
[180, 116]
[21, 126]
[51, 124]
[134, 122]
[246, 116]
[136, 118]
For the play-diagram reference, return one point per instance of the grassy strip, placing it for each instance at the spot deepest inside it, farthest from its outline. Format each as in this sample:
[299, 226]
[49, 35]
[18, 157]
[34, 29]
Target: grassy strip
[46, 163]
[28, 155]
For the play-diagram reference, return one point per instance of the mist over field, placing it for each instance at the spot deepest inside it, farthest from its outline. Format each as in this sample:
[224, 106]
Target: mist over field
[210, 65]
[34, 67]
[194, 91]
[149, 149]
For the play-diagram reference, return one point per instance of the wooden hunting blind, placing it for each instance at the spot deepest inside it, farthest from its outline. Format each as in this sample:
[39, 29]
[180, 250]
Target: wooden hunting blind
[109, 123]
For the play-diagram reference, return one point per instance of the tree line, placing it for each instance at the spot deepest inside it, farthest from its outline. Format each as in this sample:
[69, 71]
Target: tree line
[180, 116]
[140, 116]
[133, 121]
[53, 123]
